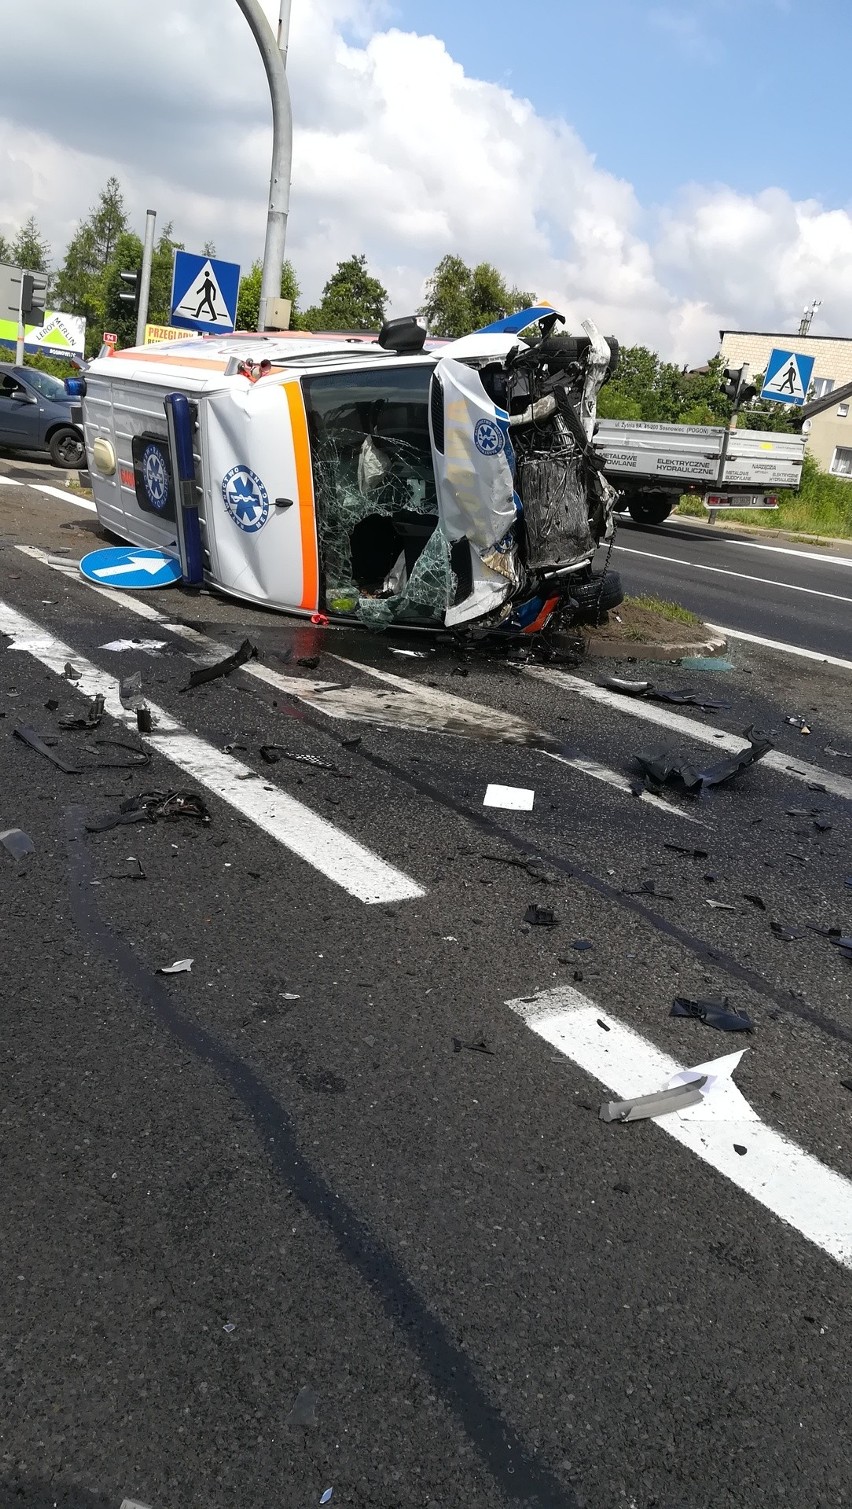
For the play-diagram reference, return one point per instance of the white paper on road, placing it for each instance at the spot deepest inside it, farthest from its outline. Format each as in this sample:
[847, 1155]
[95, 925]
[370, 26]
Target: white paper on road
[151, 646]
[513, 798]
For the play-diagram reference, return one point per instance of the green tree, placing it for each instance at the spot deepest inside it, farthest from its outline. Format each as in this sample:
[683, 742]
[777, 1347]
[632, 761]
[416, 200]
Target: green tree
[30, 249]
[461, 298]
[80, 283]
[352, 299]
[248, 300]
[5, 251]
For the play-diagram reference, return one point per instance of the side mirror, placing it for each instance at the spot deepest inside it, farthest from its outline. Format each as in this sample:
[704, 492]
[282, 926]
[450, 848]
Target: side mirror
[19, 396]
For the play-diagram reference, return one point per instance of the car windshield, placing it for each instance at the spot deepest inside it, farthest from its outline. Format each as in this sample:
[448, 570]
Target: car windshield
[375, 493]
[47, 386]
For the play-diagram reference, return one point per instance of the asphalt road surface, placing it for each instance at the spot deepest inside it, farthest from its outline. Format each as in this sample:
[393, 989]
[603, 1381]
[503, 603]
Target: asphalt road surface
[794, 593]
[335, 1210]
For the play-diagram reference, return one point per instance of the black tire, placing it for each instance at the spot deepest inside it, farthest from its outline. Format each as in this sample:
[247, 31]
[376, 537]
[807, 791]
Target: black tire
[596, 596]
[66, 447]
[651, 508]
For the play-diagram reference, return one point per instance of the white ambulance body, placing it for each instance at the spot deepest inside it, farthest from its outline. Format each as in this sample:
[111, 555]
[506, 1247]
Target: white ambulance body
[368, 483]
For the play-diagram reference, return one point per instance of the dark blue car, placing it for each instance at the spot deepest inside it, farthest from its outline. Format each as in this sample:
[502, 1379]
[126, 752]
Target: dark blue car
[36, 415]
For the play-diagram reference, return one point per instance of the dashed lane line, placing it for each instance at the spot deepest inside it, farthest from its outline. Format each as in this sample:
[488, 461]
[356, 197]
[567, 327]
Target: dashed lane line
[780, 1175]
[742, 576]
[319, 843]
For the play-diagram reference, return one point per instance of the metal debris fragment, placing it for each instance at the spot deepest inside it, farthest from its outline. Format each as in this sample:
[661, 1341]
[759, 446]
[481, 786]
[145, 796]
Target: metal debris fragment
[17, 843]
[713, 1014]
[180, 967]
[661, 1103]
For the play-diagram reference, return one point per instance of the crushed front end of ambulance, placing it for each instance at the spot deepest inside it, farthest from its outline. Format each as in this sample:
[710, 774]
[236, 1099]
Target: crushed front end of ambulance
[463, 492]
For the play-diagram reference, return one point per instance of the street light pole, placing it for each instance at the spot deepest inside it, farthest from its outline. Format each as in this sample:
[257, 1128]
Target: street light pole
[274, 54]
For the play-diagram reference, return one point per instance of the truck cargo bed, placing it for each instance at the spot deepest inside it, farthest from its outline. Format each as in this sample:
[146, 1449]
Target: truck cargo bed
[673, 455]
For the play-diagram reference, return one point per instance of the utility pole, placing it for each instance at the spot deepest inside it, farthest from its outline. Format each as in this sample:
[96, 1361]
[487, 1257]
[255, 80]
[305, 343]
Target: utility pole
[145, 278]
[273, 51]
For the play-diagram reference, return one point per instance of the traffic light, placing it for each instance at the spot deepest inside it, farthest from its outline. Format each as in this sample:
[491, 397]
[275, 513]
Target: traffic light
[737, 384]
[33, 296]
[131, 296]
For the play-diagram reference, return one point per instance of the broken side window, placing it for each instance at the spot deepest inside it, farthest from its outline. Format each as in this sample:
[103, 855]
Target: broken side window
[374, 486]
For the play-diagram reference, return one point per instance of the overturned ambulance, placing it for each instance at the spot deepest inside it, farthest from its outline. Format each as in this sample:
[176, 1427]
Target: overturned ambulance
[389, 480]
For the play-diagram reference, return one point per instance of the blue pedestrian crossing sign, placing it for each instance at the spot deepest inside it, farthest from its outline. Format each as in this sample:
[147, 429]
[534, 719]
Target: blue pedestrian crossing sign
[204, 293]
[788, 377]
[129, 567]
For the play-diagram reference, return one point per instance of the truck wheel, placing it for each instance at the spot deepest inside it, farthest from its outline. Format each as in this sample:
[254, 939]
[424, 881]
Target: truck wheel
[67, 448]
[651, 508]
[598, 595]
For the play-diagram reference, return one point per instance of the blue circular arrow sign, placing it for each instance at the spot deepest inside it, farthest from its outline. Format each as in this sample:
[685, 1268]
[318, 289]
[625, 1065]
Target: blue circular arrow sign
[131, 568]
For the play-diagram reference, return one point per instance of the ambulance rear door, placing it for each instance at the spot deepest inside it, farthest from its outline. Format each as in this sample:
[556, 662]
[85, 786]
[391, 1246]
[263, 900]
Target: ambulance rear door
[258, 494]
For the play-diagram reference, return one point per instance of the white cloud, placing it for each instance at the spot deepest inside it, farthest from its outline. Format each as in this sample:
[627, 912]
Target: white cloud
[397, 153]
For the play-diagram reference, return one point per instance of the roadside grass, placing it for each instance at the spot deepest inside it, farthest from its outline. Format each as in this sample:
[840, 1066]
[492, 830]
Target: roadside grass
[822, 506]
[675, 612]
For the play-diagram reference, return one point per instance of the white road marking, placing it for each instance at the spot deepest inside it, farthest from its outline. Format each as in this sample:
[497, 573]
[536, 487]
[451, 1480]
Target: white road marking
[776, 1172]
[690, 728]
[679, 526]
[330, 851]
[787, 649]
[10, 481]
[805, 555]
[741, 576]
[65, 497]
[475, 711]
[422, 707]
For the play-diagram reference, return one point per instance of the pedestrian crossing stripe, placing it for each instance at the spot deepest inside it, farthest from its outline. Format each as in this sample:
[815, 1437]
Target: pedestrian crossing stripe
[204, 300]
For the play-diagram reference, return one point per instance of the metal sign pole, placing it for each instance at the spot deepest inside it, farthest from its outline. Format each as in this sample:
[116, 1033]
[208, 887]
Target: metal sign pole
[282, 146]
[19, 346]
[145, 277]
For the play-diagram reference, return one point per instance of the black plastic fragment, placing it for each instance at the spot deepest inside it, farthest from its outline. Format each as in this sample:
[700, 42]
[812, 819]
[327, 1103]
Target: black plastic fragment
[665, 767]
[70, 672]
[581, 944]
[51, 704]
[755, 900]
[786, 934]
[143, 720]
[539, 916]
[352, 743]
[272, 753]
[310, 662]
[713, 1014]
[683, 698]
[246, 651]
[822, 825]
[693, 853]
[738, 1148]
[29, 736]
[480, 1047]
[91, 719]
[844, 945]
[149, 806]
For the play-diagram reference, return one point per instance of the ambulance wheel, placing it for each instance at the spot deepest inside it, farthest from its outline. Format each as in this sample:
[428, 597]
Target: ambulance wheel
[67, 448]
[598, 595]
[651, 508]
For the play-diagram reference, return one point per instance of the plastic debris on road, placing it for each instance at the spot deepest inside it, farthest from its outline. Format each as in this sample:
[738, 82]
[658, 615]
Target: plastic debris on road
[91, 719]
[666, 767]
[713, 1014]
[844, 945]
[70, 672]
[304, 1411]
[144, 720]
[326, 1498]
[17, 843]
[180, 967]
[719, 906]
[149, 806]
[661, 1103]
[647, 689]
[512, 798]
[539, 916]
[786, 934]
[246, 651]
[272, 753]
[796, 721]
[130, 692]
[29, 736]
[480, 1047]
[149, 646]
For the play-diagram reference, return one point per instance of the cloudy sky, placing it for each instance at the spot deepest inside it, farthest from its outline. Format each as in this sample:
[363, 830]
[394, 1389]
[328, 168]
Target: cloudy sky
[667, 166]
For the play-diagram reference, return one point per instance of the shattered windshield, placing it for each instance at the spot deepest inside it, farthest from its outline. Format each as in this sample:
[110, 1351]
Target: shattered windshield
[375, 494]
